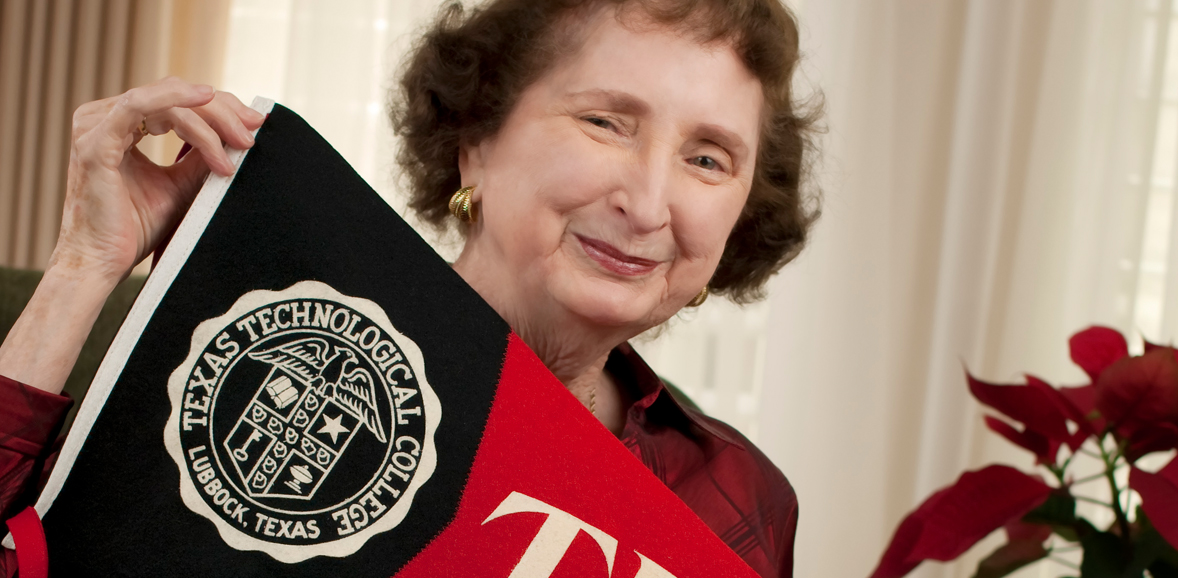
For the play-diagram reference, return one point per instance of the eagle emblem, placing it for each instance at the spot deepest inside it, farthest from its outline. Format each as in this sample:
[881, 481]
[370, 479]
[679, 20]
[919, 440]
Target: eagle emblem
[332, 372]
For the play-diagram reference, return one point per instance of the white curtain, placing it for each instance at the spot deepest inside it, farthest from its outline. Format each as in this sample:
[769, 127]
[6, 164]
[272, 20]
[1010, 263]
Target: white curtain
[333, 63]
[998, 175]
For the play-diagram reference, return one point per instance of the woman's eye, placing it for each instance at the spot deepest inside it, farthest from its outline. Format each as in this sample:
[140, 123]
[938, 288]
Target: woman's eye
[599, 122]
[706, 163]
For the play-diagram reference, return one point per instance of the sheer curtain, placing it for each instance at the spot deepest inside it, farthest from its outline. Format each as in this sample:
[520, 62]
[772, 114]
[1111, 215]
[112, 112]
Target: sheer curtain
[333, 63]
[998, 175]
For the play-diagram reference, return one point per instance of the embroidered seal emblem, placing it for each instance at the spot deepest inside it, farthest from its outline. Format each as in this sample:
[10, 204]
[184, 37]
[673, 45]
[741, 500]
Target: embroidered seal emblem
[302, 423]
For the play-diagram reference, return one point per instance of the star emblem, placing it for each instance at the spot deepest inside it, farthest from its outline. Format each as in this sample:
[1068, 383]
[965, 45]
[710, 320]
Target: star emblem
[333, 428]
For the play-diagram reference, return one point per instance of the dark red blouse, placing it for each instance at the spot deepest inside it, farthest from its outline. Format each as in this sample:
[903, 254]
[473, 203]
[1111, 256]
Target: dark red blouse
[721, 476]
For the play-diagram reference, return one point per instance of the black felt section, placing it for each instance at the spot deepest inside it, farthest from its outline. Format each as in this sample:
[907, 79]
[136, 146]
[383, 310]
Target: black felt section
[296, 211]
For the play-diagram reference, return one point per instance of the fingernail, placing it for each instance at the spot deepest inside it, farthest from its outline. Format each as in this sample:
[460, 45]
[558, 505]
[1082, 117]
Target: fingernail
[257, 115]
[205, 90]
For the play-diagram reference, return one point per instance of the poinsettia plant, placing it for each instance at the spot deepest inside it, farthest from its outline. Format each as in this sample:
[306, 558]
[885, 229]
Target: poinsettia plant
[1128, 410]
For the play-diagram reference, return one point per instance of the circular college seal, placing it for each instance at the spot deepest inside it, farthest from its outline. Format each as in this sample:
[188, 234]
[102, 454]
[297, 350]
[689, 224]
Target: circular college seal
[302, 422]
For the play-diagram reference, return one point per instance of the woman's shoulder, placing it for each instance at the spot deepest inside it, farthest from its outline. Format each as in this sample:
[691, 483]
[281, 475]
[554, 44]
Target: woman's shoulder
[739, 469]
[717, 471]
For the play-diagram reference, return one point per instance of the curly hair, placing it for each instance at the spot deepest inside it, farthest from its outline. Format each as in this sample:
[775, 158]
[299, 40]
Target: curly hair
[467, 72]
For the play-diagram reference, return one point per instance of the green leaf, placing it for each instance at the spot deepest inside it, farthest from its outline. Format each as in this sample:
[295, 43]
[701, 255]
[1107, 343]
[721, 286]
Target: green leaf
[1059, 509]
[1066, 532]
[1149, 537]
[1059, 512]
[1148, 548]
[1104, 556]
[1085, 528]
[1009, 558]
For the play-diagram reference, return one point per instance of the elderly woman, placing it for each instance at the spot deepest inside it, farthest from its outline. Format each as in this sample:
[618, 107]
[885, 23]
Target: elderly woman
[614, 162]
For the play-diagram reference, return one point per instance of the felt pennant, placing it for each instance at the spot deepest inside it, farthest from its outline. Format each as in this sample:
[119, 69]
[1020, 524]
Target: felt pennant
[304, 388]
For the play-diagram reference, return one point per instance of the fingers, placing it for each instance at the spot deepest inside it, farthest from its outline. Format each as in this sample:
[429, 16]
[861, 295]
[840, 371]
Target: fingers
[231, 119]
[105, 129]
[119, 127]
[194, 130]
[251, 118]
[87, 116]
[188, 173]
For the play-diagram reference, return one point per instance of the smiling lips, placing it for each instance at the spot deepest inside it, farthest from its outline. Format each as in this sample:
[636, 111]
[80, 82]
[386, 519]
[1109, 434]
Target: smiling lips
[614, 260]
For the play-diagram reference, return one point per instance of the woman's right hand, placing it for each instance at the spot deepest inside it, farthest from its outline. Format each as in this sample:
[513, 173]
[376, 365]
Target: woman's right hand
[118, 203]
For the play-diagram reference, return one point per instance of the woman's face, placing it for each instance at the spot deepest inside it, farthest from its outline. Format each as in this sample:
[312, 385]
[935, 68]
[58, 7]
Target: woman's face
[611, 188]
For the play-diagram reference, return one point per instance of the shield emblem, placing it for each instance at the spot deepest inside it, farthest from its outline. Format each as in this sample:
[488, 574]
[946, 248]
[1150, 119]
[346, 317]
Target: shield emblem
[301, 419]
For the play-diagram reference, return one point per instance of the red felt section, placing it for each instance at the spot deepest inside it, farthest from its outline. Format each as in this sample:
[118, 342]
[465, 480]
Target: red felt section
[568, 461]
[32, 554]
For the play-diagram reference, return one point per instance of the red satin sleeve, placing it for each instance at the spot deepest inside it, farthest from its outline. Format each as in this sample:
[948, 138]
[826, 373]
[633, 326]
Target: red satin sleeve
[30, 420]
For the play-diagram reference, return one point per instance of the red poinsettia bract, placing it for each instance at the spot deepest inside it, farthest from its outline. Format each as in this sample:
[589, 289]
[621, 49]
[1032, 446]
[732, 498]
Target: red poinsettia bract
[955, 518]
[1159, 497]
[1131, 402]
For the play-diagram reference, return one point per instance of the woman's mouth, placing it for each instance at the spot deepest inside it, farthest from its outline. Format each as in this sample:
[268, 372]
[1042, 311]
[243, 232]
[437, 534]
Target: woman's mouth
[614, 260]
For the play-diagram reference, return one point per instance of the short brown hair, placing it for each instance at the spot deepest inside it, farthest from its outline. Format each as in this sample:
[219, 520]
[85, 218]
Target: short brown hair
[467, 72]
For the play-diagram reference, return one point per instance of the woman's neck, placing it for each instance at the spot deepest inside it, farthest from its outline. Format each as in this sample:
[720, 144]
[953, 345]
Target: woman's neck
[572, 349]
[583, 375]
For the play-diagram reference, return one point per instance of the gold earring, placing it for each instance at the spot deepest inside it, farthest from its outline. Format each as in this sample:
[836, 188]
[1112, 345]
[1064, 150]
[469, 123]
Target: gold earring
[699, 298]
[462, 206]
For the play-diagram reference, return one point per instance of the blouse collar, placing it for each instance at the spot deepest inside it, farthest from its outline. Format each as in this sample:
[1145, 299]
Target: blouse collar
[629, 367]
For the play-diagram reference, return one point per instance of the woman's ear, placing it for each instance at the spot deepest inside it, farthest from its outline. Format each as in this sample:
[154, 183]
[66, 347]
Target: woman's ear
[471, 165]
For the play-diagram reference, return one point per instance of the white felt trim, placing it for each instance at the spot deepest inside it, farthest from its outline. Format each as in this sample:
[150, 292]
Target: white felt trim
[175, 256]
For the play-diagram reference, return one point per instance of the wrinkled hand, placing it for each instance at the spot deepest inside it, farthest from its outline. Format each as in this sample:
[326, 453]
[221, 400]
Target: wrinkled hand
[118, 203]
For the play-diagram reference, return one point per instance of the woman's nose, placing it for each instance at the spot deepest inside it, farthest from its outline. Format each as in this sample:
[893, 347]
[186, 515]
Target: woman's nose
[644, 199]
